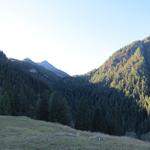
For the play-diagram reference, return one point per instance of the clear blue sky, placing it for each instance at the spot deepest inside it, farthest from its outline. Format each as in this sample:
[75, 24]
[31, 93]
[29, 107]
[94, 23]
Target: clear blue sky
[73, 35]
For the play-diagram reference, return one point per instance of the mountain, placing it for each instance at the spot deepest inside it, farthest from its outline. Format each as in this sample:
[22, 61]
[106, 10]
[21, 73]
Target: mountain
[128, 70]
[27, 65]
[50, 67]
[46, 65]
[26, 88]
[28, 60]
[19, 89]
[25, 133]
[112, 99]
[3, 56]
[31, 90]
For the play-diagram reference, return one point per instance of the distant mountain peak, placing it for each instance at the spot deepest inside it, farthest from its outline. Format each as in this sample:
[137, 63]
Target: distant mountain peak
[28, 60]
[2, 55]
[50, 67]
[45, 61]
[47, 65]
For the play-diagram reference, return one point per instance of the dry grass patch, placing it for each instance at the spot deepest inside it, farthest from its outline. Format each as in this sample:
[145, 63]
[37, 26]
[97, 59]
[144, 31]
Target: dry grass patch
[22, 133]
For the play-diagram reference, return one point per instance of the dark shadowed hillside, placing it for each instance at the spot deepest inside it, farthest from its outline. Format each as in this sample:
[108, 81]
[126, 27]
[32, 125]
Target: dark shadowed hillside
[112, 99]
[25, 88]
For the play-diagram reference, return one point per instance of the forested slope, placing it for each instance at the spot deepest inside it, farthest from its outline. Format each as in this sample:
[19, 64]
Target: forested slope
[113, 99]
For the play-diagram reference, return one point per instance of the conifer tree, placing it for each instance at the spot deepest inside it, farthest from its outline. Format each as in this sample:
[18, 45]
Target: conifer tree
[58, 109]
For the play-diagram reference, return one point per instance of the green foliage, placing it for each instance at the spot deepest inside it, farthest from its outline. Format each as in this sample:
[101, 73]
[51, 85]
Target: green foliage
[115, 101]
[58, 109]
[42, 109]
[126, 71]
[5, 104]
[84, 115]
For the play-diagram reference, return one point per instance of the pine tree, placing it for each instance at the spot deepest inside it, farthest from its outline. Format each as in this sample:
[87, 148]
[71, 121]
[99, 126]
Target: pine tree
[99, 121]
[83, 117]
[59, 109]
[42, 109]
[5, 104]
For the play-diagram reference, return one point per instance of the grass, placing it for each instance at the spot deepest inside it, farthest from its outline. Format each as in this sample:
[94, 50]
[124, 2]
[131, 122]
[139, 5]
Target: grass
[22, 133]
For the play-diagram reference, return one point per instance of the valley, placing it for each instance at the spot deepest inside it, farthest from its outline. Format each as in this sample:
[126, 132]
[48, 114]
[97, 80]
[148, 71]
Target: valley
[113, 99]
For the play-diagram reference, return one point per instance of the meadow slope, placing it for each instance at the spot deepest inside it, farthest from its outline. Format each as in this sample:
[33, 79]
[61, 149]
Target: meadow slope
[22, 133]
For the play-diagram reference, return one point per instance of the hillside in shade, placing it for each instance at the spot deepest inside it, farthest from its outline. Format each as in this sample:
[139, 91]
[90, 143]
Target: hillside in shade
[113, 99]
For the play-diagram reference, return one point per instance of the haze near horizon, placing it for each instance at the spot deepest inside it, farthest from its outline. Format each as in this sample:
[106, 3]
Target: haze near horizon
[76, 36]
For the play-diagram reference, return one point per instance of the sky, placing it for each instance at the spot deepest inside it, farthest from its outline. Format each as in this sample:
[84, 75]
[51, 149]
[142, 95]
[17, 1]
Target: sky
[73, 35]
